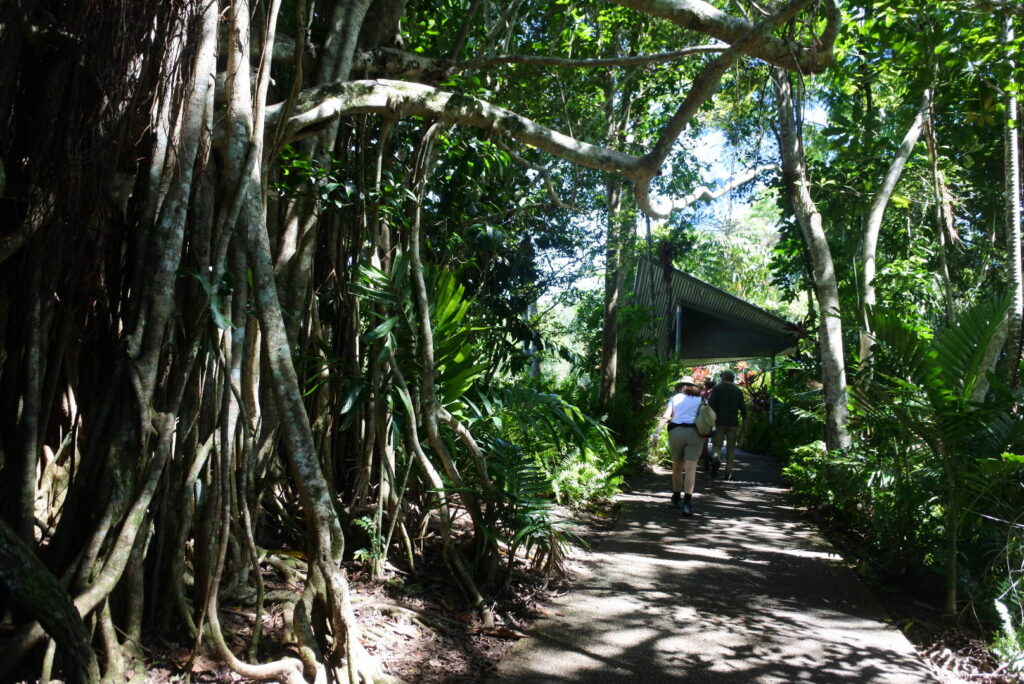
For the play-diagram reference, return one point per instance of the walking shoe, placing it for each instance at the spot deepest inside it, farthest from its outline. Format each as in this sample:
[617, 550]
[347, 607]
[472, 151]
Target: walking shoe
[687, 506]
[728, 474]
[675, 500]
[716, 465]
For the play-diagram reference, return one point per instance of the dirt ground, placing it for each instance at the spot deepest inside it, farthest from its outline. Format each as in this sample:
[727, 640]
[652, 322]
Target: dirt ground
[415, 626]
[449, 647]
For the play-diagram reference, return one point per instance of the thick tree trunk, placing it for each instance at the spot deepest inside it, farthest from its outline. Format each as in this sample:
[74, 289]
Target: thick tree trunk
[29, 585]
[168, 233]
[830, 333]
[33, 371]
[246, 123]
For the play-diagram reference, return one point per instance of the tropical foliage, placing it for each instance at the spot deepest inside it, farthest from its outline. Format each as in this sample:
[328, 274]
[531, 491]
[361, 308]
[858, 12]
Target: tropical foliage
[309, 285]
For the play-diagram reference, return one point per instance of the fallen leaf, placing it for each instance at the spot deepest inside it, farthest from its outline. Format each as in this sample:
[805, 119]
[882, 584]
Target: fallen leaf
[503, 633]
[203, 664]
[406, 630]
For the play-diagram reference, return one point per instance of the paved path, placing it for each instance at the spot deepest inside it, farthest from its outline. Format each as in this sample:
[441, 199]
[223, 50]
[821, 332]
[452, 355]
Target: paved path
[744, 591]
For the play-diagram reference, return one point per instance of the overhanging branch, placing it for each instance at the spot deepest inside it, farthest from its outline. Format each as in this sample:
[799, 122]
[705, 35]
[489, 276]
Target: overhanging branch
[702, 193]
[702, 17]
[323, 104]
[392, 63]
[399, 99]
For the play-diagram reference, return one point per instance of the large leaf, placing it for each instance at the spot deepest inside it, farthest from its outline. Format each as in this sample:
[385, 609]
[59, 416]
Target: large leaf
[909, 348]
[960, 348]
[457, 384]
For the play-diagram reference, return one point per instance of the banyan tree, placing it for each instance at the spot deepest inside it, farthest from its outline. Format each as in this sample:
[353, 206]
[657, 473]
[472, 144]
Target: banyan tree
[224, 327]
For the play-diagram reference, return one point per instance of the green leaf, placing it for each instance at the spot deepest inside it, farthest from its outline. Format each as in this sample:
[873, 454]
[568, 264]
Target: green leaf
[381, 330]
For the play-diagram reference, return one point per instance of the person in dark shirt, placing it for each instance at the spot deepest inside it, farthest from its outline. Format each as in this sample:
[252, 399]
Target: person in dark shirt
[729, 405]
[711, 463]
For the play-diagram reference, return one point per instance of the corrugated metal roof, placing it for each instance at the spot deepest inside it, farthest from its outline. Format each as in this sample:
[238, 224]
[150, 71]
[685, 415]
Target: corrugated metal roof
[716, 326]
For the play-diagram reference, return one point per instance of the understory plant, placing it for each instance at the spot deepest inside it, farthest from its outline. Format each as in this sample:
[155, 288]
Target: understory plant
[916, 408]
[794, 421]
[577, 454]
[509, 451]
[524, 514]
[1009, 644]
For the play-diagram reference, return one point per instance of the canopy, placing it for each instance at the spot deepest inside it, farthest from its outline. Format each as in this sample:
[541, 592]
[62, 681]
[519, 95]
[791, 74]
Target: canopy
[699, 323]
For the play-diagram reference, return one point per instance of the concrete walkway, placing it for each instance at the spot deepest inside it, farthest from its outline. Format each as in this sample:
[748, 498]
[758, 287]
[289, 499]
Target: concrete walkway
[744, 591]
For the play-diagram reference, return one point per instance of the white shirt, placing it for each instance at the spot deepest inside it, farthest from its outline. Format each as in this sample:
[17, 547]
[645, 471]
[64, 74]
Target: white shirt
[682, 408]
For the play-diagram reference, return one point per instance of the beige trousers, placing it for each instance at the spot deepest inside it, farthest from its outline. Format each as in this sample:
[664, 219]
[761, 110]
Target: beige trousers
[728, 434]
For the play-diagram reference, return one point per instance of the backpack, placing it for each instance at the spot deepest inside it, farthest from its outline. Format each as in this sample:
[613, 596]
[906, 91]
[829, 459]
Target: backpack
[705, 422]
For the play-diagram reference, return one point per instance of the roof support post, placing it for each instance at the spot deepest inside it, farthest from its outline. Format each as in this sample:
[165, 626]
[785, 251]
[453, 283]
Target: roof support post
[679, 330]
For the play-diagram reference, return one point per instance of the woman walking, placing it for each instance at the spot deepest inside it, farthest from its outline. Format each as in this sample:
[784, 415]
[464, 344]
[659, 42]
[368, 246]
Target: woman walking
[683, 441]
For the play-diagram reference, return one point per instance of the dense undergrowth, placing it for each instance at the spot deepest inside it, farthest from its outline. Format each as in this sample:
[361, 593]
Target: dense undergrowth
[927, 455]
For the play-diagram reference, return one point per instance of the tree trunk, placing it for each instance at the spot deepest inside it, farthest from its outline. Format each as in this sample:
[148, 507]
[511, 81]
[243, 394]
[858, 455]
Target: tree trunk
[325, 534]
[1010, 336]
[31, 586]
[869, 246]
[613, 282]
[830, 332]
[1015, 316]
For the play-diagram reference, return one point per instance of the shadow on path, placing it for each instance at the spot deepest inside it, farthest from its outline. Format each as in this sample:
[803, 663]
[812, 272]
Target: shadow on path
[744, 591]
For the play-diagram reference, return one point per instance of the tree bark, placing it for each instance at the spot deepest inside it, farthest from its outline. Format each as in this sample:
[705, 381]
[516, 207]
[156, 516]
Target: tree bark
[168, 233]
[614, 279]
[31, 586]
[709, 20]
[830, 332]
[246, 122]
[869, 244]
[1010, 336]
[1015, 316]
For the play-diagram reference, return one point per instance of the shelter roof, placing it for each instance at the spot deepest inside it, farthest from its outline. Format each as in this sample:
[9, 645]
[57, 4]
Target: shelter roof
[715, 326]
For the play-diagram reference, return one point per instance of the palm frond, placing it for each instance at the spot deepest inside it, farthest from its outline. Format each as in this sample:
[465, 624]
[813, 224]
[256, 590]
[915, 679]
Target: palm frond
[960, 349]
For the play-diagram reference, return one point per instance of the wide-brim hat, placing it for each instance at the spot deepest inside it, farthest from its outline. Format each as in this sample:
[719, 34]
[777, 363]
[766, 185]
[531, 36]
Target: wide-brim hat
[687, 380]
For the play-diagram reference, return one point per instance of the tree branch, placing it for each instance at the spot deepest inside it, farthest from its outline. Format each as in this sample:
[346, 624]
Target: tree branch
[542, 172]
[706, 82]
[402, 65]
[397, 99]
[691, 14]
[873, 224]
[702, 17]
[706, 194]
[633, 60]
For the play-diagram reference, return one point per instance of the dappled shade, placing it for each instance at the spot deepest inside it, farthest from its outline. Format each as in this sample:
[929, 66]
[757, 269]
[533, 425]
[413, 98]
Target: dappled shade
[716, 326]
[745, 591]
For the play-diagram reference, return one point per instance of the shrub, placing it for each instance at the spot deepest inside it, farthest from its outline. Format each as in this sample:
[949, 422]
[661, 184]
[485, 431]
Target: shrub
[1009, 645]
